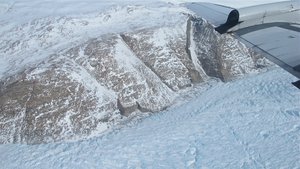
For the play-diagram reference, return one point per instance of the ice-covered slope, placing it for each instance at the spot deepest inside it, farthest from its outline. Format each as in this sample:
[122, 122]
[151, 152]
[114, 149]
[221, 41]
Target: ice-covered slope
[31, 30]
[249, 123]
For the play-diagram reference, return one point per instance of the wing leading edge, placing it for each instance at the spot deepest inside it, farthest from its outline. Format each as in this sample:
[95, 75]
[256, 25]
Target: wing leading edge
[271, 29]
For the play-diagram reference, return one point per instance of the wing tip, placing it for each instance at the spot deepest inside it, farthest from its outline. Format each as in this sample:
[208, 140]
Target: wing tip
[297, 84]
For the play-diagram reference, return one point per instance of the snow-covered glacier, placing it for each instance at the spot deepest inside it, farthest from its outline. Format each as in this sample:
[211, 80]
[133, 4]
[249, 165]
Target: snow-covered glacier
[133, 84]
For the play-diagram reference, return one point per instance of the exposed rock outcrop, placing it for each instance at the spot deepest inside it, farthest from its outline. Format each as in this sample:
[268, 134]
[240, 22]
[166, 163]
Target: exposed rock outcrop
[223, 56]
[117, 68]
[54, 101]
[163, 50]
[87, 88]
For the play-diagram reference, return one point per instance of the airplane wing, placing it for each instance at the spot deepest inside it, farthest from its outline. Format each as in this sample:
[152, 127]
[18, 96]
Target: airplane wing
[271, 29]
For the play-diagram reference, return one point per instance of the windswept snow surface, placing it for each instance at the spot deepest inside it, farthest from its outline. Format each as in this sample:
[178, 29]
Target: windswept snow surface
[249, 123]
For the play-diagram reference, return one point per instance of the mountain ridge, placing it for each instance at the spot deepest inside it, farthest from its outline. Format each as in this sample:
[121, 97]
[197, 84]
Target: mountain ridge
[90, 86]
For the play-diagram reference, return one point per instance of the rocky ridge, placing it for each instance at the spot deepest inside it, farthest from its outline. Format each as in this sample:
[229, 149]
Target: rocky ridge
[90, 86]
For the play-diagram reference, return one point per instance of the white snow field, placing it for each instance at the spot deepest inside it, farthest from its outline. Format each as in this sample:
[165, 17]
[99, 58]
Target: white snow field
[253, 122]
